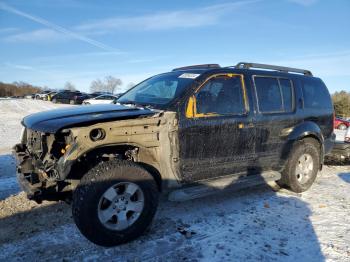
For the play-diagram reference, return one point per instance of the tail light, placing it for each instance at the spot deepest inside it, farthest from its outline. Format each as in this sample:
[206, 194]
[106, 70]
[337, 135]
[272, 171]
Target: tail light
[333, 120]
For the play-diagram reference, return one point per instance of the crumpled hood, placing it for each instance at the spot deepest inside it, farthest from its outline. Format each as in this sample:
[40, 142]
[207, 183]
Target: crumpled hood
[55, 120]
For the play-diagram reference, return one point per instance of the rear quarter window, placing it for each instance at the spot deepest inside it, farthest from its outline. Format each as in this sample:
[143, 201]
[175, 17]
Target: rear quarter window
[315, 94]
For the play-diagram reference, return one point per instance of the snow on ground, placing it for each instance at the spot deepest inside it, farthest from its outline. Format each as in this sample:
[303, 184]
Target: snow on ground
[260, 223]
[11, 113]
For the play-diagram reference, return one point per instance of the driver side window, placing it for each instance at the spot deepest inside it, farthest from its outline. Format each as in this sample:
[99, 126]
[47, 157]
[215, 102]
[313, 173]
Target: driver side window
[221, 95]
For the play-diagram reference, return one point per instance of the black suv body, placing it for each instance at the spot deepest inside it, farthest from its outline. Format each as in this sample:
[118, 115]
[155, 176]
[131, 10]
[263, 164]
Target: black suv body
[189, 133]
[260, 133]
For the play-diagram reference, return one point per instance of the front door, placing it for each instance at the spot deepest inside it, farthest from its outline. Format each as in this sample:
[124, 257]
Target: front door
[216, 134]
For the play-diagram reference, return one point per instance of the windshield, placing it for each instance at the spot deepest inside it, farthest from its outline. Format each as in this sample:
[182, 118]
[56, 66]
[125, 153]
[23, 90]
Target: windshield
[158, 90]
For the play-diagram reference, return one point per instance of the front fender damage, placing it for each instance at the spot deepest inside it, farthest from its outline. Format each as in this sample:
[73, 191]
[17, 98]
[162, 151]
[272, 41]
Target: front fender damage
[154, 138]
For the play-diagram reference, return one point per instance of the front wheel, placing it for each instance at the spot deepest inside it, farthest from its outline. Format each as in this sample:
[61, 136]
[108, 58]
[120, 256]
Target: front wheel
[115, 202]
[302, 166]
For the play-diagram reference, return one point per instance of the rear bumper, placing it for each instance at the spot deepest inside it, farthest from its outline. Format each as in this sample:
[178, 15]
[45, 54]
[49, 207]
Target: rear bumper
[340, 151]
[329, 144]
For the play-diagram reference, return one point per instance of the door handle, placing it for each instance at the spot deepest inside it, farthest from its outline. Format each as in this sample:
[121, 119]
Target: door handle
[249, 125]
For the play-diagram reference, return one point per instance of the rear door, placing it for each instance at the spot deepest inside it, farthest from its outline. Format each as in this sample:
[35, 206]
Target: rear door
[59, 97]
[216, 135]
[64, 97]
[275, 115]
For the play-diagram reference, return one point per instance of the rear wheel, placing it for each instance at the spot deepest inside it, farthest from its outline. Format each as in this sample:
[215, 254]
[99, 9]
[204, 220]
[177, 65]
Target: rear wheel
[302, 166]
[115, 202]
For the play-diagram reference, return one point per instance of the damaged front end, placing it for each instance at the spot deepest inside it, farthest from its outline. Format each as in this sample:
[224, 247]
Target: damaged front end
[37, 172]
[59, 147]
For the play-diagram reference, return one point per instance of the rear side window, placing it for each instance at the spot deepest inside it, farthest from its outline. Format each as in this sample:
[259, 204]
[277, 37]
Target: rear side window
[287, 93]
[315, 94]
[275, 95]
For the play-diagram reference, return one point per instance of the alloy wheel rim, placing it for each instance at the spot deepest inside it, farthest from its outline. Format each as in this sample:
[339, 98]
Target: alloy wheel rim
[121, 205]
[304, 168]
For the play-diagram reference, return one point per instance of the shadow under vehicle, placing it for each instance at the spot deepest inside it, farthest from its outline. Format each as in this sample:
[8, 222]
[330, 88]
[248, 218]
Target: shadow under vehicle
[186, 133]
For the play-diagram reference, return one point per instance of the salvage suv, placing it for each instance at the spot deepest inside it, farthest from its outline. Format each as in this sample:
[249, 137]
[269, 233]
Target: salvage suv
[187, 133]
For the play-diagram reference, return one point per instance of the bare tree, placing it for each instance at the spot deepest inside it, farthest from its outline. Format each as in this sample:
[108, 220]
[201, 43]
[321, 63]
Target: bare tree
[112, 84]
[17, 89]
[69, 86]
[97, 86]
[21, 84]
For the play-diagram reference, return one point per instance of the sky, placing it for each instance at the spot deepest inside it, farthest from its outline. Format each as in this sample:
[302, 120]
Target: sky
[50, 42]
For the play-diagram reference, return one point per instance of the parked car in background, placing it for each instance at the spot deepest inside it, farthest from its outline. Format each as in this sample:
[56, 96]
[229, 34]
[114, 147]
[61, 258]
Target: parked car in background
[102, 99]
[347, 135]
[48, 96]
[117, 96]
[69, 97]
[42, 94]
[340, 123]
[341, 149]
[96, 94]
[30, 96]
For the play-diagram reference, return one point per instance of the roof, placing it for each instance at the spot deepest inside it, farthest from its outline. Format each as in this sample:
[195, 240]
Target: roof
[244, 66]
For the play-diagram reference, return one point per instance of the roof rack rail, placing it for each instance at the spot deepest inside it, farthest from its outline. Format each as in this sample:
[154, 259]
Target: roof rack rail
[204, 66]
[246, 65]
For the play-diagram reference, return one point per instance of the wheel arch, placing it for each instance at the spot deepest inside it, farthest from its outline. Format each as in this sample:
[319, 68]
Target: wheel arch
[308, 129]
[92, 157]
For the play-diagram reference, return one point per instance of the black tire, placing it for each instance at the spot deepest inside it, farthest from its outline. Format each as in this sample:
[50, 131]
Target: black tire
[93, 185]
[289, 178]
[71, 102]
